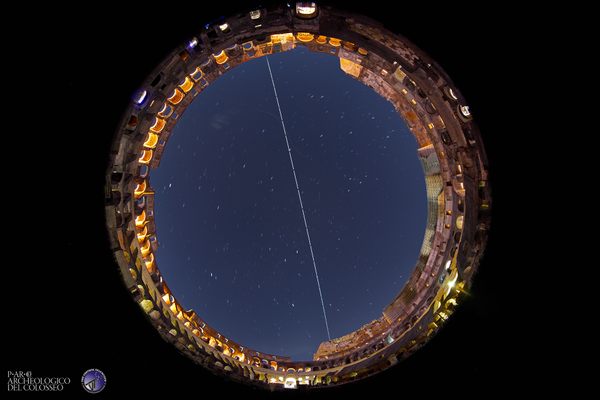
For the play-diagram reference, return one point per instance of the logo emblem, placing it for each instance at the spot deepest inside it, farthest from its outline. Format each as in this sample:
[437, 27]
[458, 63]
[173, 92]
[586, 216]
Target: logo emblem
[93, 380]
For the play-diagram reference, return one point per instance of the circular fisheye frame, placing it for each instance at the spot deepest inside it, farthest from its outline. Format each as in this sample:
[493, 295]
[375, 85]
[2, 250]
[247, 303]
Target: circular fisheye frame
[449, 147]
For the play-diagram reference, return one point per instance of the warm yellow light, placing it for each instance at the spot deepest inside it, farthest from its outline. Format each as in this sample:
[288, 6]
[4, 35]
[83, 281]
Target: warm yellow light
[140, 219]
[221, 58]
[187, 84]
[176, 97]
[450, 283]
[139, 190]
[150, 263]
[282, 38]
[350, 67]
[454, 277]
[147, 305]
[459, 222]
[349, 46]
[152, 140]
[305, 36]
[145, 157]
[335, 42]
[321, 39]
[158, 125]
[143, 234]
[400, 75]
[145, 249]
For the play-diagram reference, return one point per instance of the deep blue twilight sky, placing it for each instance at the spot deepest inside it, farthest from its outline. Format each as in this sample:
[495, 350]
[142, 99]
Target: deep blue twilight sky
[232, 243]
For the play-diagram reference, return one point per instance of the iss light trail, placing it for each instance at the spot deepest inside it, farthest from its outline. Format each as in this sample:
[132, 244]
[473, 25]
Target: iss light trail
[312, 254]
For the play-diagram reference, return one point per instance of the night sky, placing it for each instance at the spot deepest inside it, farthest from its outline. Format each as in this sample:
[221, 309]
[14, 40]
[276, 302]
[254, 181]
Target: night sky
[232, 241]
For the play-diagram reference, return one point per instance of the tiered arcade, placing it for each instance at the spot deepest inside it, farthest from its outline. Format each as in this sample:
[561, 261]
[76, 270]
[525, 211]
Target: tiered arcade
[450, 149]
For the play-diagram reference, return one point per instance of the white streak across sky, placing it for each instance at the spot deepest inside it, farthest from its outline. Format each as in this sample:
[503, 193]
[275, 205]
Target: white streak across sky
[312, 254]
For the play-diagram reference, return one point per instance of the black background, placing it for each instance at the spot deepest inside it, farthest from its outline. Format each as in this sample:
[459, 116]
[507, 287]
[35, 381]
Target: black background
[65, 305]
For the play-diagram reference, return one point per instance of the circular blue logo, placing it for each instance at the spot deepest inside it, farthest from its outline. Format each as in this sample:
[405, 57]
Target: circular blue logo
[93, 380]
